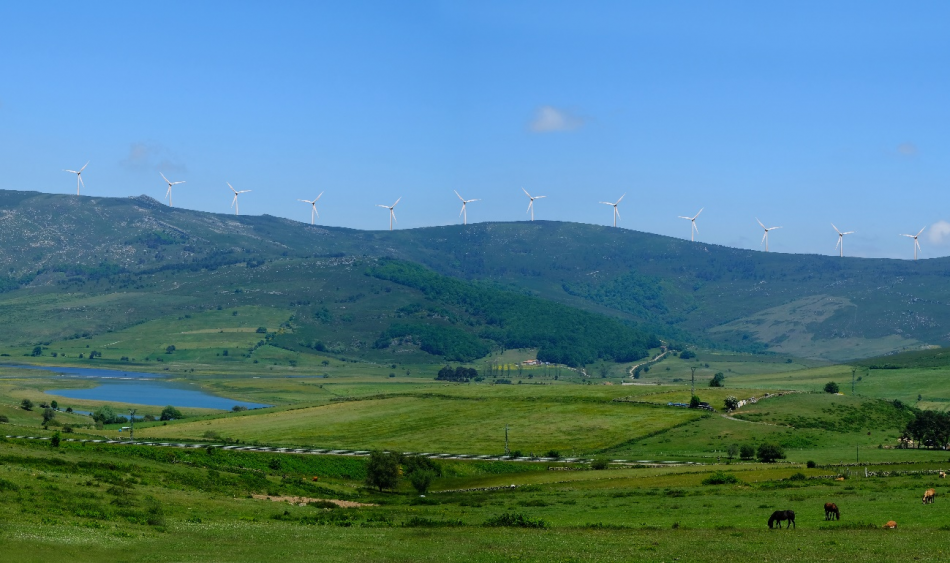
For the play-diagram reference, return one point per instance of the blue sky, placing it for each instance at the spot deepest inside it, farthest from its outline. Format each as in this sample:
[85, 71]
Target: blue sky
[800, 113]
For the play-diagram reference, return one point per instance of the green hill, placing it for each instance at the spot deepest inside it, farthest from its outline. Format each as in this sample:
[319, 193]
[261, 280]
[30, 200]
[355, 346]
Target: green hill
[121, 253]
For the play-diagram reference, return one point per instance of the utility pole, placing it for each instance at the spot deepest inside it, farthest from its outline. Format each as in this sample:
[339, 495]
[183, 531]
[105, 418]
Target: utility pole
[692, 392]
[131, 425]
[506, 440]
[853, 370]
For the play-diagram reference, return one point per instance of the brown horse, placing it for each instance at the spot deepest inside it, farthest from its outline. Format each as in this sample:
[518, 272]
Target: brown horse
[929, 496]
[781, 515]
[831, 511]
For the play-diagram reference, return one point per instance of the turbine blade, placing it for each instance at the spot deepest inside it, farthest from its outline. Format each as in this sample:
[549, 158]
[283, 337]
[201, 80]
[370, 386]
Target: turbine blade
[921, 230]
[230, 186]
[459, 196]
[530, 203]
[79, 177]
[835, 228]
[84, 166]
[764, 237]
[697, 215]
[540, 196]
[71, 171]
[760, 222]
[176, 183]
[695, 227]
[617, 210]
[397, 201]
[462, 210]
[687, 218]
[526, 192]
[621, 198]
[393, 214]
[318, 197]
[164, 178]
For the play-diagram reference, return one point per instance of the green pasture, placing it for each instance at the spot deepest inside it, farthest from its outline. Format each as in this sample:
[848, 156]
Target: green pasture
[443, 424]
[94, 502]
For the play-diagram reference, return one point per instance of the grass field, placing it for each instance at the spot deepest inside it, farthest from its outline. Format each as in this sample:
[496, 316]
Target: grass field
[123, 503]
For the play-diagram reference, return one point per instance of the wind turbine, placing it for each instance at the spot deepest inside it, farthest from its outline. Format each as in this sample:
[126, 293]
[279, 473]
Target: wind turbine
[531, 205]
[765, 237]
[234, 202]
[392, 214]
[616, 211]
[840, 245]
[916, 243]
[313, 205]
[168, 194]
[463, 213]
[694, 229]
[78, 174]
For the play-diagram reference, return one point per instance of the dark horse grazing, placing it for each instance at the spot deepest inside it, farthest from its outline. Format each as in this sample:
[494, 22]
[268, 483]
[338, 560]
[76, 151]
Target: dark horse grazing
[780, 515]
[831, 511]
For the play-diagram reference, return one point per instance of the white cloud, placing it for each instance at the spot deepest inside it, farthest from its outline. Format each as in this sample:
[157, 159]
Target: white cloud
[550, 119]
[152, 156]
[907, 149]
[939, 233]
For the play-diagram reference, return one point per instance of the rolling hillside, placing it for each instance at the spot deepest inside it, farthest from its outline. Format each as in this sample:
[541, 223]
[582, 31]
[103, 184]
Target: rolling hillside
[803, 305]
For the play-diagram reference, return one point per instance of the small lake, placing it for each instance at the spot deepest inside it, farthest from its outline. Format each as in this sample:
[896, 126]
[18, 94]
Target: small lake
[157, 393]
[140, 388]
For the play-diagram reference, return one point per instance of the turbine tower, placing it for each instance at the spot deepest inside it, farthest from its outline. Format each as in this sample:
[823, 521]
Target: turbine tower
[78, 174]
[463, 213]
[392, 213]
[694, 230]
[916, 243]
[616, 211]
[765, 237]
[168, 194]
[840, 245]
[234, 202]
[313, 206]
[532, 198]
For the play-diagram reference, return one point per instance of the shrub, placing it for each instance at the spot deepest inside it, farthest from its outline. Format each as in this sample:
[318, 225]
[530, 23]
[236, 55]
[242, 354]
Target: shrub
[733, 451]
[4, 418]
[767, 453]
[694, 402]
[48, 415]
[797, 477]
[261, 330]
[810, 464]
[721, 478]
[687, 354]
[54, 404]
[553, 453]
[26, 404]
[831, 387]
[54, 441]
[238, 408]
[717, 380]
[599, 464]
[515, 520]
[731, 403]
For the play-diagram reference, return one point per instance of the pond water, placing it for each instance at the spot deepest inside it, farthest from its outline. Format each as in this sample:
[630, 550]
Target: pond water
[157, 393]
[140, 388]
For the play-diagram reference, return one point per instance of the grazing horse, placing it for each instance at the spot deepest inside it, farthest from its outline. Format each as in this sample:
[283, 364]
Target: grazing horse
[831, 511]
[929, 496]
[780, 515]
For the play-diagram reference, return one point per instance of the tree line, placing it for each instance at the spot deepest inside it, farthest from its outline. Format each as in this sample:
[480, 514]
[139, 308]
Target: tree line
[562, 334]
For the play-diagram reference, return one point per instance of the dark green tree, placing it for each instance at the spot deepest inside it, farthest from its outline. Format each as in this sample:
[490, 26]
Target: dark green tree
[694, 402]
[170, 413]
[421, 480]
[731, 403]
[768, 453]
[831, 387]
[717, 380]
[733, 451]
[26, 404]
[48, 415]
[382, 470]
[747, 451]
